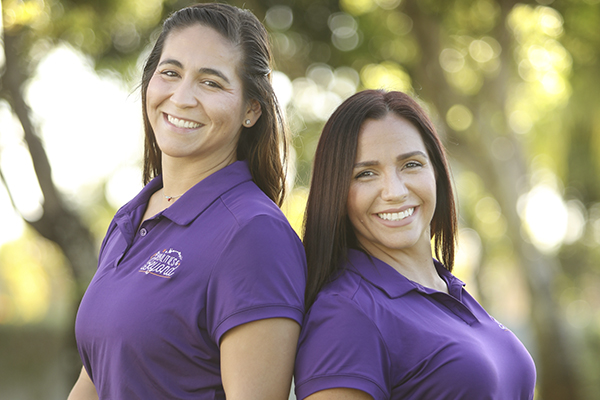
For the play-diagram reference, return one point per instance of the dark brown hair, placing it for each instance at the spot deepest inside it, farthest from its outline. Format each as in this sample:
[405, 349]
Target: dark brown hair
[328, 232]
[264, 144]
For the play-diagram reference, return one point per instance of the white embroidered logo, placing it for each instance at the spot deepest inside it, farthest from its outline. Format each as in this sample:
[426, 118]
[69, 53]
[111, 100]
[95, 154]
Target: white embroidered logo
[163, 263]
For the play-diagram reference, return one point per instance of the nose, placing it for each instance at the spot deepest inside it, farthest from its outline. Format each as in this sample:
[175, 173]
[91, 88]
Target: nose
[183, 96]
[394, 188]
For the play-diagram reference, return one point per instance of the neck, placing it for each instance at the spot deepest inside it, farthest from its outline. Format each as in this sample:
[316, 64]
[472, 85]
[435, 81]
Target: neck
[416, 264]
[180, 175]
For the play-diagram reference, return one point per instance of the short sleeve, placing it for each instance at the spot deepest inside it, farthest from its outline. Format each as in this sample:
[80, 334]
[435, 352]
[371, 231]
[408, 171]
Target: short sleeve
[341, 347]
[260, 274]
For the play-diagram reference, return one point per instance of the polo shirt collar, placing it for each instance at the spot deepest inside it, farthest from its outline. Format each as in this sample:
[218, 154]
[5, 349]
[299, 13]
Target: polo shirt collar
[193, 202]
[130, 215]
[204, 193]
[394, 284]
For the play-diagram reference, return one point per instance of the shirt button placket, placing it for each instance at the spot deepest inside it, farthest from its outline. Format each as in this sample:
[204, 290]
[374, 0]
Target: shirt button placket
[143, 232]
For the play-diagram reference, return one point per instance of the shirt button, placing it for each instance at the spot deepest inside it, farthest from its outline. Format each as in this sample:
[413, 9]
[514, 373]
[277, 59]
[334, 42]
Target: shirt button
[143, 231]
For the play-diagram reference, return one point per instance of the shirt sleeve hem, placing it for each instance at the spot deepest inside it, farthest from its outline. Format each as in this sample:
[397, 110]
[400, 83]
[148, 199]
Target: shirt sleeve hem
[313, 385]
[258, 313]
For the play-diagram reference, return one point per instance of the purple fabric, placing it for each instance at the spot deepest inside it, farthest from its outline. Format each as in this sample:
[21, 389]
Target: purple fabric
[223, 255]
[374, 330]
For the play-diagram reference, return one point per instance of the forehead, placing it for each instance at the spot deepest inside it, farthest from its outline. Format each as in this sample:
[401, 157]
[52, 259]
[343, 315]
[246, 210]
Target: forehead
[391, 135]
[200, 44]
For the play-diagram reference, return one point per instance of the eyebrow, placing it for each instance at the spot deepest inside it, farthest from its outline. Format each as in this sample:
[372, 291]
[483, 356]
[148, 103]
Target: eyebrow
[209, 71]
[399, 158]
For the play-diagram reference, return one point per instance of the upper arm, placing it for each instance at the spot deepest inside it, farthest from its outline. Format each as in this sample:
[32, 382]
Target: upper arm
[260, 274]
[84, 388]
[340, 394]
[257, 359]
[341, 347]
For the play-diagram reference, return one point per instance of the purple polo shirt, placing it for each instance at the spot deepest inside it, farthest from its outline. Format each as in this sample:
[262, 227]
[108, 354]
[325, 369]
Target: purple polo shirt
[374, 330]
[164, 294]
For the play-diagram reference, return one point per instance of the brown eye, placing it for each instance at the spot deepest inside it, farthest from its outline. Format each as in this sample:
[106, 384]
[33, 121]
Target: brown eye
[413, 164]
[169, 73]
[212, 84]
[364, 174]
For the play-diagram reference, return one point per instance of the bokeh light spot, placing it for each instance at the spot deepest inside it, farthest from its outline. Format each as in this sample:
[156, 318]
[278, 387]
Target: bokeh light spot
[283, 88]
[481, 51]
[520, 121]
[488, 210]
[551, 21]
[451, 60]
[399, 23]
[357, 7]
[388, 4]
[344, 28]
[546, 217]
[387, 75]
[279, 18]
[459, 117]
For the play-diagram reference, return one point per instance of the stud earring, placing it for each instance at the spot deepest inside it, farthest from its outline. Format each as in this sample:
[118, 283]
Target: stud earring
[247, 122]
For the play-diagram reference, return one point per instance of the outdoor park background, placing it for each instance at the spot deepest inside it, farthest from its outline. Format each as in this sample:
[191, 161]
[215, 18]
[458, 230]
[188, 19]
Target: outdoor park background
[514, 89]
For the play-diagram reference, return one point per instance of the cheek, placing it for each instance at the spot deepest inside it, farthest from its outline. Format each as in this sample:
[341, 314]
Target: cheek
[221, 113]
[154, 93]
[433, 187]
[430, 193]
[230, 111]
[355, 203]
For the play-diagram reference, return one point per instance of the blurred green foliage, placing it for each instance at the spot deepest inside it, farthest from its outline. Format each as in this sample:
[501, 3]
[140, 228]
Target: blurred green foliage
[512, 87]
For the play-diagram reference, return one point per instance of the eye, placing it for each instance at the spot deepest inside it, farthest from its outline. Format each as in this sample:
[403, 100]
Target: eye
[364, 174]
[169, 73]
[212, 84]
[413, 164]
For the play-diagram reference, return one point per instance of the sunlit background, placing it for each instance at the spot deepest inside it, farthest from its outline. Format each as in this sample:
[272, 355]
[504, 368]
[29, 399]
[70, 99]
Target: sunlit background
[513, 92]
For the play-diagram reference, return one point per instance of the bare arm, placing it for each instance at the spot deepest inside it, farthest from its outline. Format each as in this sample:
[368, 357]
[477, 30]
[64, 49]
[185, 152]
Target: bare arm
[257, 359]
[340, 394]
[84, 388]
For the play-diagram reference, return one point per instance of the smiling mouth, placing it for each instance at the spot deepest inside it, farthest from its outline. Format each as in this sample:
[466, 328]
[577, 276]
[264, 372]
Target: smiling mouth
[397, 216]
[182, 123]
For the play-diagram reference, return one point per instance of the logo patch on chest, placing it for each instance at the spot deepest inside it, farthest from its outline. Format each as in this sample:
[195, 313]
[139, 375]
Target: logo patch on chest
[163, 263]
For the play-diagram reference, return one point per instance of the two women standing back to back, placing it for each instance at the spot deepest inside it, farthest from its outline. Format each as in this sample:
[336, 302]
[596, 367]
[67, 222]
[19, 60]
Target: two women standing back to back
[199, 292]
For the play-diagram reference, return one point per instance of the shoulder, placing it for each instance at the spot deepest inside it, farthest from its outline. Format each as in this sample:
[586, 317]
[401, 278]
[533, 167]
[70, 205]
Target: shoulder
[351, 286]
[339, 317]
[345, 285]
[261, 268]
[340, 345]
[246, 201]
[257, 222]
[342, 303]
[260, 247]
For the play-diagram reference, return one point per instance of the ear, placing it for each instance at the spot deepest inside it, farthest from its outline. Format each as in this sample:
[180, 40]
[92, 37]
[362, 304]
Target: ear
[253, 113]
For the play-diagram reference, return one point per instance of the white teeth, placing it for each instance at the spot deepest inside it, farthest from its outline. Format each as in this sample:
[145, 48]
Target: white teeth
[182, 123]
[397, 216]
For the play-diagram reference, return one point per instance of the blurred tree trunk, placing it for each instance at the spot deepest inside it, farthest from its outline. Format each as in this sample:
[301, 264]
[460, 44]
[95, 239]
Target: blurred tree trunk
[557, 374]
[58, 223]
